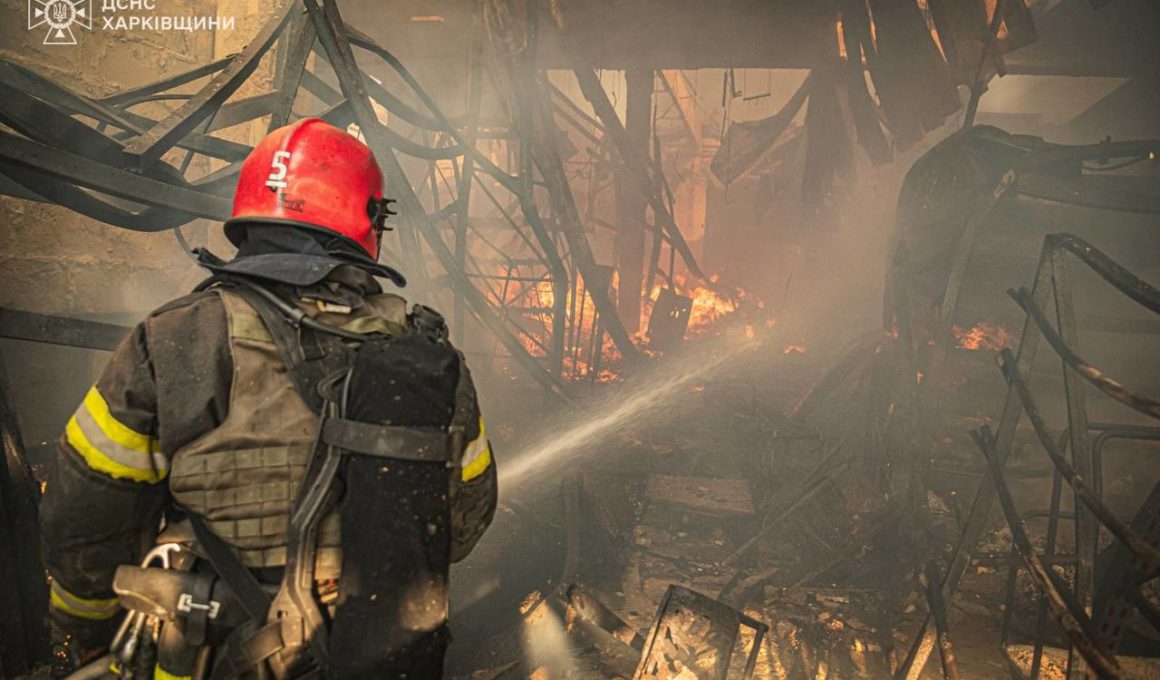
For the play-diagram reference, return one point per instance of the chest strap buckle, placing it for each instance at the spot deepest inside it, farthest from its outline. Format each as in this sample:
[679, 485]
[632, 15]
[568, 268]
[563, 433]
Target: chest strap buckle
[186, 605]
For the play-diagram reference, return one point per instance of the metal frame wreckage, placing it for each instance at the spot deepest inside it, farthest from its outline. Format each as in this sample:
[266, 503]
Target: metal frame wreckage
[103, 159]
[910, 375]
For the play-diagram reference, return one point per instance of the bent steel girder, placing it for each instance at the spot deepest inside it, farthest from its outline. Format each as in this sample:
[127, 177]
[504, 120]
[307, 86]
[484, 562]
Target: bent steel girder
[84, 172]
[148, 147]
[117, 160]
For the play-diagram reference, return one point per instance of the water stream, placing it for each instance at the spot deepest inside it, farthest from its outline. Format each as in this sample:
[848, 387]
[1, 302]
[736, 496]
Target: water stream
[616, 413]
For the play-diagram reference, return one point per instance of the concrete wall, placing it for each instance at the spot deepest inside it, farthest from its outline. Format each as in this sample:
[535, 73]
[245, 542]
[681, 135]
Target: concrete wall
[55, 261]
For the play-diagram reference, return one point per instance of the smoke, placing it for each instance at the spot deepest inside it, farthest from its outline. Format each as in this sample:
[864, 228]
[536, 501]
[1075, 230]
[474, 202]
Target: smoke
[547, 645]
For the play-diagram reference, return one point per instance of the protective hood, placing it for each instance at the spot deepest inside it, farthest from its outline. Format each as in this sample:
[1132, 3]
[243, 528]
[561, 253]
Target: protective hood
[298, 256]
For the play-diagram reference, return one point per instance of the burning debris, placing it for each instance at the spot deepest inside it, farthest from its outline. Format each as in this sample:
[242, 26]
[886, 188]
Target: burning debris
[670, 315]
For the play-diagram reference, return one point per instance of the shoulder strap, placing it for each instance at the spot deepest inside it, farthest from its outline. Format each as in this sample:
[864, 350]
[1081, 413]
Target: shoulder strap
[309, 355]
[229, 566]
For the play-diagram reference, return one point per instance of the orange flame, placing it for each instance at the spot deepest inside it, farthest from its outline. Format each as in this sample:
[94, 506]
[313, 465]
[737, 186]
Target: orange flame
[708, 307]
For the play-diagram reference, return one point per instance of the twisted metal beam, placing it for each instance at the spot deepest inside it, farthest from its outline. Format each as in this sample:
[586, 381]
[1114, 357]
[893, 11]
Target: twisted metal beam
[1110, 387]
[42, 159]
[1072, 619]
[1132, 286]
[148, 147]
[1149, 556]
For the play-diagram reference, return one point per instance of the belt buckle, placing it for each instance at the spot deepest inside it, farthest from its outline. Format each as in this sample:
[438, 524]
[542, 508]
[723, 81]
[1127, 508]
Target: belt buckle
[186, 605]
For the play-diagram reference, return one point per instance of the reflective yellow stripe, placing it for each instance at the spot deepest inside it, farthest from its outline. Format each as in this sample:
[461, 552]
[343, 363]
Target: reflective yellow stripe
[477, 456]
[114, 429]
[160, 673]
[111, 447]
[95, 610]
[478, 466]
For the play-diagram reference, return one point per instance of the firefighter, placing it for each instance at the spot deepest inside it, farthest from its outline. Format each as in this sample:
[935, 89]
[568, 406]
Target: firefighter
[287, 416]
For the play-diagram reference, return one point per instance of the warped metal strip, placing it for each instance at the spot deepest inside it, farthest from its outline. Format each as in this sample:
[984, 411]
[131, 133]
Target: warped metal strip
[293, 56]
[509, 182]
[326, 23]
[637, 166]
[318, 87]
[513, 184]
[1057, 155]
[10, 187]
[207, 145]
[59, 330]
[138, 94]
[1090, 191]
[382, 95]
[243, 110]
[512, 78]
[41, 122]
[938, 609]
[1093, 375]
[1068, 612]
[147, 148]
[543, 137]
[1109, 270]
[62, 97]
[44, 121]
[65, 193]
[978, 516]
[123, 184]
[1149, 555]
[576, 117]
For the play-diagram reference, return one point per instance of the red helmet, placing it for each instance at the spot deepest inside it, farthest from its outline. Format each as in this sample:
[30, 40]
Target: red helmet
[311, 174]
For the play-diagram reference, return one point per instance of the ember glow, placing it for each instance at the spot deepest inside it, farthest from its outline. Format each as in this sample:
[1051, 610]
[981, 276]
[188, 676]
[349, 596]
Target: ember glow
[987, 334]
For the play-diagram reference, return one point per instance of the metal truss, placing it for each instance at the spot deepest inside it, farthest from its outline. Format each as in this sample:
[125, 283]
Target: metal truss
[525, 271]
